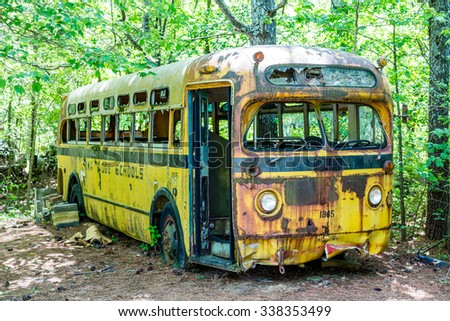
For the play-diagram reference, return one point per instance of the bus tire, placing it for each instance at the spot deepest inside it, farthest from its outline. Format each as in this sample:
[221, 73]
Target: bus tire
[171, 242]
[76, 196]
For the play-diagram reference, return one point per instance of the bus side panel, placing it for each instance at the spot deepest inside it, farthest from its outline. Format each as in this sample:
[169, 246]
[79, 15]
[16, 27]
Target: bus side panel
[118, 189]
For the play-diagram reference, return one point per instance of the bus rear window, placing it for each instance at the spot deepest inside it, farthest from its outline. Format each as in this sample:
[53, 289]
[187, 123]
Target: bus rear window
[320, 76]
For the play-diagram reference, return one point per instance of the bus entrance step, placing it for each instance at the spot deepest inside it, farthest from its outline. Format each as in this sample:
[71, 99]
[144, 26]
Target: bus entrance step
[220, 248]
[215, 262]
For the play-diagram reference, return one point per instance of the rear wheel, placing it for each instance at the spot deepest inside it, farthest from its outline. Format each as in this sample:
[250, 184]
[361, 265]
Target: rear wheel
[171, 243]
[76, 196]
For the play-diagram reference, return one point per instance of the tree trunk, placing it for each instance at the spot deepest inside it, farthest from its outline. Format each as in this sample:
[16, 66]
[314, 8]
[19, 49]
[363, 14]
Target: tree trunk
[355, 34]
[438, 190]
[32, 146]
[263, 28]
[9, 140]
[207, 46]
[400, 143]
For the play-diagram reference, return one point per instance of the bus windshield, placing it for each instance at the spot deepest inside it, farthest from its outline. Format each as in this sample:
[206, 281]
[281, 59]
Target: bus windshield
[296, 127]
[284, 126]
[352, 126]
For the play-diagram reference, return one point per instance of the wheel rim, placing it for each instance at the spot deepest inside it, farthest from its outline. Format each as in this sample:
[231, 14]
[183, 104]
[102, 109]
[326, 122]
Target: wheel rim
[169, 240]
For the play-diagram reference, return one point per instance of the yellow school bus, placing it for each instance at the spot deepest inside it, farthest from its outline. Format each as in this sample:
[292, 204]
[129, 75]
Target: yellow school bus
[271, 155]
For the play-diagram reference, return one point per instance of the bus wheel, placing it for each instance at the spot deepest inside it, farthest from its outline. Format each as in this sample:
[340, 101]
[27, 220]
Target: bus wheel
[170, 243]
[76, 196]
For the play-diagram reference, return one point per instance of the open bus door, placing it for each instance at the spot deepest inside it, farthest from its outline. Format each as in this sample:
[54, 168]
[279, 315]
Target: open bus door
[210, 175]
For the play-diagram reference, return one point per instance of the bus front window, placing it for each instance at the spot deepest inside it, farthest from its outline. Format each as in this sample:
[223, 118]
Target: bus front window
[351, 126]
[284, 126]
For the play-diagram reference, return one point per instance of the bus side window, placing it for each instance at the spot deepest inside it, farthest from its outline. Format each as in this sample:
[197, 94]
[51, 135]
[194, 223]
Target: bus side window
[141, 127]
[177, 128]
[96, 129]
[109, 127]
[161, 127]
[63, 130]
[125, 127]
[71, 130]
[82, 123]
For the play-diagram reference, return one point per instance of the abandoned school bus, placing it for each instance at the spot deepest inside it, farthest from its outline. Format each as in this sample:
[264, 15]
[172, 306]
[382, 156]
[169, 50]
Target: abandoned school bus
[272, 155]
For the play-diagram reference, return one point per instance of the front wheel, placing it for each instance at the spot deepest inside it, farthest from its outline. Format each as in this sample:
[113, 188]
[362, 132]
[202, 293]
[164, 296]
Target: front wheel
[171, 241]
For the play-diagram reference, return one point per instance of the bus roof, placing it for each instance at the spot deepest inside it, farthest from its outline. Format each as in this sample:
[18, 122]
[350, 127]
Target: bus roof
[229, 65]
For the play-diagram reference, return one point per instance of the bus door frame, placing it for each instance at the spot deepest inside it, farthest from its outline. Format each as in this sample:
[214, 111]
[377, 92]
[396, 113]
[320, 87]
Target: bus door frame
[198, 121]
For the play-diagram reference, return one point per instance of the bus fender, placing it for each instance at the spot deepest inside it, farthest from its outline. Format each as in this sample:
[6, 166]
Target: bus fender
[73, 179]
[160, 199]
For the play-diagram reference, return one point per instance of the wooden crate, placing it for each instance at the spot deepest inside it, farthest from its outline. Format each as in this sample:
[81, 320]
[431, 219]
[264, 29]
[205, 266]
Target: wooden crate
[64, 215]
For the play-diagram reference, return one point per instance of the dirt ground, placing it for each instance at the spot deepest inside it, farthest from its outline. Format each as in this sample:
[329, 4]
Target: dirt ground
[37, 264]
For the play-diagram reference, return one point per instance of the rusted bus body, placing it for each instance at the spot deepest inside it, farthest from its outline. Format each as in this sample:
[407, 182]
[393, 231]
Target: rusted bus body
[214, 179]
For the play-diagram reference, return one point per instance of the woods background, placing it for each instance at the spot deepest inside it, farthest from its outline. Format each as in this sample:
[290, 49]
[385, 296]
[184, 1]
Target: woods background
[48, 48]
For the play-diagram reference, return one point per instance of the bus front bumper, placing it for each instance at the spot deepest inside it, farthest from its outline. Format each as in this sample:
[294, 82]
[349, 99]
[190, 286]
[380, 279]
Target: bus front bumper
[294, 250]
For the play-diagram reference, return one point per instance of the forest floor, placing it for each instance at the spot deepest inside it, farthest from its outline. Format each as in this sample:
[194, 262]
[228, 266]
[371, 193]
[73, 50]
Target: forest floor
[36, 263]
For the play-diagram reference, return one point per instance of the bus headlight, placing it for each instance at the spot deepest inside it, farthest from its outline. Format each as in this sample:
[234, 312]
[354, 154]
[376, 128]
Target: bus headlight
[268, 204]
[375, 196]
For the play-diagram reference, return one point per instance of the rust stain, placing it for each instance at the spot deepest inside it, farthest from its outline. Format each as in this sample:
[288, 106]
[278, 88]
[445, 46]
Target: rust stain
[356, 184]
[311, 191]
[284, 225]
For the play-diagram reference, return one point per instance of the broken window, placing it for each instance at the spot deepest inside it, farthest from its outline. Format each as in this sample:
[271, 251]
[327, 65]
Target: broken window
[320, 76]
[141, 127]
[125, 127]
[83, 127]
[177, 126]
[140, 98]
[159, 96]
[81, 108]
[123, 100]
[161, 127]
[109, 128]
[94, 105]
[96, 129]
[69, 131]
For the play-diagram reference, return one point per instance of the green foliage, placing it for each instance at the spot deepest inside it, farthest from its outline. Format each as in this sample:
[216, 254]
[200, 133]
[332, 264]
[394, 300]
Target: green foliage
[154, 234]
[11, 195]
[144, 246]
[48, 48]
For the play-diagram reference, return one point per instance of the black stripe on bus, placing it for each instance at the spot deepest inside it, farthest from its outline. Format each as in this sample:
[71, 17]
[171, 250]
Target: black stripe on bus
[312, 163]
[117, 204]
[142, 157]
[267, 164]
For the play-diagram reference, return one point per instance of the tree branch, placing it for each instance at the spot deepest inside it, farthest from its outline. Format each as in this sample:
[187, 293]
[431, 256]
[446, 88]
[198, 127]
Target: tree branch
[47, 69]
[241, 27]
[138, 47]
[281, 5]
